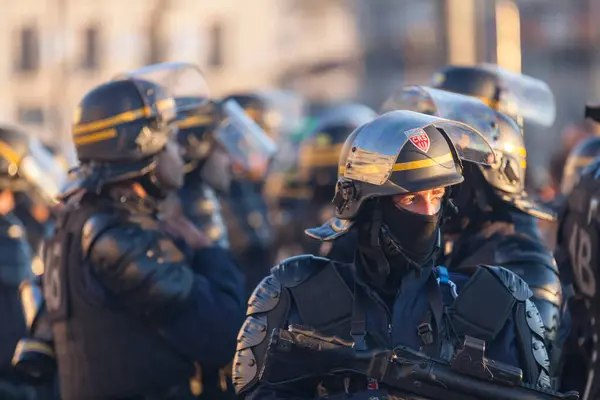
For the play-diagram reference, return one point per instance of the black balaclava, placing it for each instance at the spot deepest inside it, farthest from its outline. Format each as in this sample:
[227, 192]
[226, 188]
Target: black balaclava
[394, 242]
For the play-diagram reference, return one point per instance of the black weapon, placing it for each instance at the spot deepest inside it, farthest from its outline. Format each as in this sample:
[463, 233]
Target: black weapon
[298, 353]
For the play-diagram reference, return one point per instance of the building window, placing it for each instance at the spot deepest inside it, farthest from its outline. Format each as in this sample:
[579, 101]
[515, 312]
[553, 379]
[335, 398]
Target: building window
[28, 50]
[91, 50]
[215, 53]
[31, 115]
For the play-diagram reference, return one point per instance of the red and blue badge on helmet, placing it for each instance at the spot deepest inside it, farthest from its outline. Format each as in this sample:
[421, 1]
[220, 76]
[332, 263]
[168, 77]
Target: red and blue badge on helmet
[419, 138]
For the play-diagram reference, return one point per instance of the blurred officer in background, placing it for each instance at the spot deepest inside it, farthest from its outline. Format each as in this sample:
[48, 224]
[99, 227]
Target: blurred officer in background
[134, 301]
[576, 253]
[497, 221]
[213, 135]
[317, 169]
[208, 170]
[246, 211]
[26, 169]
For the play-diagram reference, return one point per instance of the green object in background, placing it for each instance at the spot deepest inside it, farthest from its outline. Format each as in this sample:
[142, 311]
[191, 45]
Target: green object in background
[308, 125]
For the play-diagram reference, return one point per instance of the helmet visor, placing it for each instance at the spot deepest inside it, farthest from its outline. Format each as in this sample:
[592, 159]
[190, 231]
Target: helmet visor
[42, 170]
[524, 96]
[178, 80]
[247, 144]
[448, 105]
[373, 154]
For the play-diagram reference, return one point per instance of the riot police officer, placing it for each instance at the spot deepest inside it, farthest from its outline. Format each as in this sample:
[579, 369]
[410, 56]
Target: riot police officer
[316, 173]
[497, 221]
[207, 171]
[33, 209]
[577, 257]
[130, 310]
[493, 208]
[212, 134]
[23, 168]
[393, 172]
[246, 210]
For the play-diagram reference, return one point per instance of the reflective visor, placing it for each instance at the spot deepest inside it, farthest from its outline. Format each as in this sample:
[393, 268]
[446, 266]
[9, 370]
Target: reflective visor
[375, 150]
[524, 96]
[178, 80]
[448, 105]
[247, 144]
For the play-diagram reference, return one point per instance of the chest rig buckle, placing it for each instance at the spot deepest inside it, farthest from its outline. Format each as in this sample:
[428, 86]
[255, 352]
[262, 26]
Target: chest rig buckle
[425, 332]
[444, 278]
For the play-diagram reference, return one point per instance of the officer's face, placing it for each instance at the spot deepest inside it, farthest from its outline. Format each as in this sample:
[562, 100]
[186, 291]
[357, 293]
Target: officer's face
[427, 202]
[170, 167]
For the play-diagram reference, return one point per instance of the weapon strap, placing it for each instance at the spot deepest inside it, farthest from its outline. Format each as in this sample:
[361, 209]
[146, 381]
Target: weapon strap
[358, 324]
[430, 337]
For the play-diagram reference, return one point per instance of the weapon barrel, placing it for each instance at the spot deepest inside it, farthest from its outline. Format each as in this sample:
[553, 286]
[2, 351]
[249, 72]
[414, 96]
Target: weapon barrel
[442, 375]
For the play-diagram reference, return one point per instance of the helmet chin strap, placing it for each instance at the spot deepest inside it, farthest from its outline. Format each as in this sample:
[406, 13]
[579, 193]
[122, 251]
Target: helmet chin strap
[371, 250]
[379, 252]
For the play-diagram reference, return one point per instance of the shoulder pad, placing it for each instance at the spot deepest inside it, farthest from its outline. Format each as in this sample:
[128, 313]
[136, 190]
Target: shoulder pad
[534, 319]
[330, 230]
[253, 332]
[521, 248]
[528, 205]
[293, 271]
[245, 370]
[538, 347]
[517, 286]
[94, 227]
[265, 297]
[533, 263]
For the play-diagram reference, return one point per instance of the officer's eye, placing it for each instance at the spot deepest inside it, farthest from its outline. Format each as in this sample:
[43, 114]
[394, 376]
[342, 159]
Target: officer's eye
[438, 194]
[408, 200]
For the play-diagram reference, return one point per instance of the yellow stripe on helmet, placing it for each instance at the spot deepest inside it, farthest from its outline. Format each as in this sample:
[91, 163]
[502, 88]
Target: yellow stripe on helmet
[96, 137]
[195, 121]
[122, 118]
[9, 153]
[411, 165]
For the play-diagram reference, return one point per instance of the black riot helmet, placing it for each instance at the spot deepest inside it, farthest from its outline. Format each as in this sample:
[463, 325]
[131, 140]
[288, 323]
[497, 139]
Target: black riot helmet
[584, 154]
[195, 132]
[121, 125]
[401, 152]
[519, 96]
[127, 120]
[26, 164]
[320, 150]
[226, 126]
[506, 176]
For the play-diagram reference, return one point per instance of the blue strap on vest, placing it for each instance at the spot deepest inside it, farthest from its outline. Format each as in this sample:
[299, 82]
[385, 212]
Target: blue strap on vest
[443, 277]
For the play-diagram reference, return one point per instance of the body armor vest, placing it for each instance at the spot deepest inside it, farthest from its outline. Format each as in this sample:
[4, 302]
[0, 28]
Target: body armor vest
[102, 350]
[579, 262]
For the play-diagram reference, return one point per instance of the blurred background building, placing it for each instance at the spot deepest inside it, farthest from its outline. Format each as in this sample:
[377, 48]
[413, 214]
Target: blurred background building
[329, 50]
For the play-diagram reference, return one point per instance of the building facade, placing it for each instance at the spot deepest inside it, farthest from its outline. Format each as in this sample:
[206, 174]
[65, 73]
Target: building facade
[56, 50]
